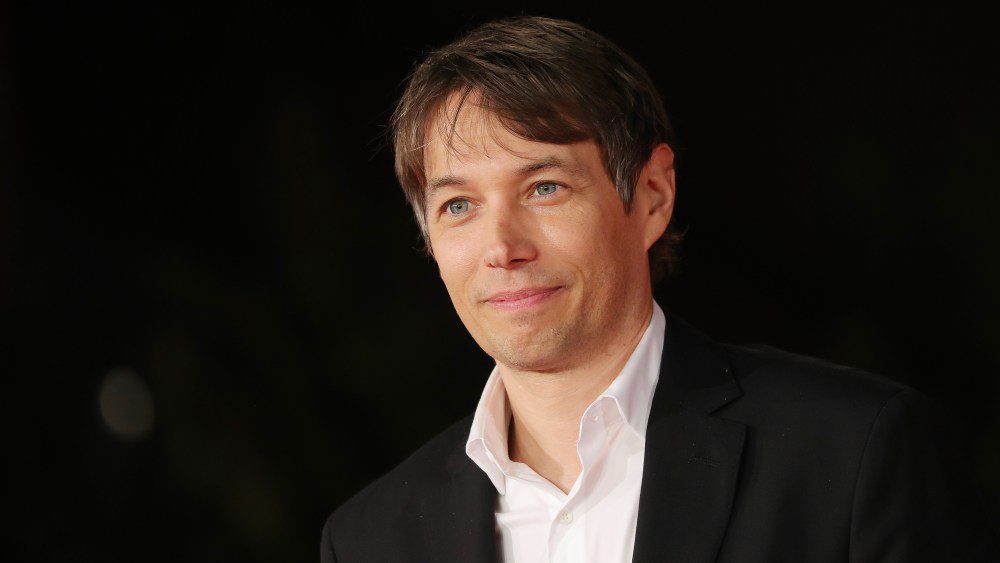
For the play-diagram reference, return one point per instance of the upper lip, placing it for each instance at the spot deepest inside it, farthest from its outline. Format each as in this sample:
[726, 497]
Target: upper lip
[520, 293]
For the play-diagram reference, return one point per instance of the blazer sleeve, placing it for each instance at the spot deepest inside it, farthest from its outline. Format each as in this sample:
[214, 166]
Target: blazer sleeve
[916, 498]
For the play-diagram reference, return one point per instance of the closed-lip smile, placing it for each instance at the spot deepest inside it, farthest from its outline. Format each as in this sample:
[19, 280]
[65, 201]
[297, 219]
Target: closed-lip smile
[521, 298]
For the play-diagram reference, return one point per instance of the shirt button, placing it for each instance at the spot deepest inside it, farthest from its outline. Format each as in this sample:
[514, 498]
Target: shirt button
[595, 417]
[565, 517]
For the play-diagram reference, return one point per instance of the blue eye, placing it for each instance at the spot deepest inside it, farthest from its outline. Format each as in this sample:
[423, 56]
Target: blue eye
[546, 188]
[458, 207]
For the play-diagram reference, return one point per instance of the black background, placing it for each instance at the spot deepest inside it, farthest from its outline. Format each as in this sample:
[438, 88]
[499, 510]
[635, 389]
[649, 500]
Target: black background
[201, 195]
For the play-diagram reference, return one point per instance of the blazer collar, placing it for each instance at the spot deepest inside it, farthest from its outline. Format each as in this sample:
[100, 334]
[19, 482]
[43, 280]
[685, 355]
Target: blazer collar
[695, 373]
[689, 474]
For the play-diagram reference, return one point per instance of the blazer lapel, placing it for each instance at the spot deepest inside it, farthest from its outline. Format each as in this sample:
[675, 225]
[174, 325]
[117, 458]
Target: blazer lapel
[692, 459]
[464, 518]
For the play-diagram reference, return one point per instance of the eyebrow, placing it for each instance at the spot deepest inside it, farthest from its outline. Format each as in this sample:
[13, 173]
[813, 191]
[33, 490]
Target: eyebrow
[544, 163]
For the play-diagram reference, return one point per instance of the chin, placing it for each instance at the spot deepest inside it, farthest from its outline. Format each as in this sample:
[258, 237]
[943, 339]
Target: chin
[533, 350]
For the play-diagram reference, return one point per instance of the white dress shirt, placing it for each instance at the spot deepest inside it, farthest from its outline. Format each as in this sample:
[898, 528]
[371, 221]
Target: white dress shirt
[594, 522]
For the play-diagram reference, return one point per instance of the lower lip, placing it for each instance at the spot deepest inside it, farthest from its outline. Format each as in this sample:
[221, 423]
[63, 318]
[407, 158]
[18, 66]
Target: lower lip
[525, 302]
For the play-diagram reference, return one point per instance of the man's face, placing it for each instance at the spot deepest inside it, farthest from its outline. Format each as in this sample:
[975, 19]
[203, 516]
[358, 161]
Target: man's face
[533, 243]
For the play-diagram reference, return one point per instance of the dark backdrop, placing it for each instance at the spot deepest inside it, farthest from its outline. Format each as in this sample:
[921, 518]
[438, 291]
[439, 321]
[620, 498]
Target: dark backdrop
[198, 218]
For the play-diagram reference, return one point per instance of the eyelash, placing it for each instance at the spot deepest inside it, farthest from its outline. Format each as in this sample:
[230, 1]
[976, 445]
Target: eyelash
[534, 187]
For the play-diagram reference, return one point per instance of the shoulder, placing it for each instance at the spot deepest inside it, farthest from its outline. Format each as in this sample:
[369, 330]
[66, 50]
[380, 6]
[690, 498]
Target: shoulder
[856, 447]
[411, 482]
[791, 396]
[769, 375]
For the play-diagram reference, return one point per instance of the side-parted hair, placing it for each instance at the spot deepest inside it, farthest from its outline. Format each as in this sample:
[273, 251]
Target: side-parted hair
[544, 80]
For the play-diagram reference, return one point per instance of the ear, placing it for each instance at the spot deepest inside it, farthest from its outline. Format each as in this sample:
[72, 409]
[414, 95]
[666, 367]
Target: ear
[654, 194]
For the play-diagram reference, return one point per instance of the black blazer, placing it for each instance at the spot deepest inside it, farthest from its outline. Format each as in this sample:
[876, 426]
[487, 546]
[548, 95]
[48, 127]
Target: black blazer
[753, 454]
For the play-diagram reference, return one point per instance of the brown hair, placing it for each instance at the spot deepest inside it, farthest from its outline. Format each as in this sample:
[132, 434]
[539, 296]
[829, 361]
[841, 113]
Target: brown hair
[545, 80]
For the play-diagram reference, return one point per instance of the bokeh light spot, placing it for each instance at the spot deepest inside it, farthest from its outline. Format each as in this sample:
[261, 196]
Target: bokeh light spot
[126, 405]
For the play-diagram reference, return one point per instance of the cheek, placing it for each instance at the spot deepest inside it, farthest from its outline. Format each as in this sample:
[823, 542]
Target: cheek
[589, 238]
[456, 260]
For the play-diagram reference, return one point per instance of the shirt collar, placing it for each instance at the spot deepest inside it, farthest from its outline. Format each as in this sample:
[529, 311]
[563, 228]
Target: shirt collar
[487, 444]
[631, 390]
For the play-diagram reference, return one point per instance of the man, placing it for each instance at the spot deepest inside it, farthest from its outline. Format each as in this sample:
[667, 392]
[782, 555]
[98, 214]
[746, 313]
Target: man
[537, 158]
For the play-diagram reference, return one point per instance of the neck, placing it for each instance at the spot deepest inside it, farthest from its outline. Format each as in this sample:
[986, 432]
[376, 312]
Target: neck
[546, 407]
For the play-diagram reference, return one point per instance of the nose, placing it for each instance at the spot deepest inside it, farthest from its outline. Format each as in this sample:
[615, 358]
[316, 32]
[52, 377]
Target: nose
[507, 238]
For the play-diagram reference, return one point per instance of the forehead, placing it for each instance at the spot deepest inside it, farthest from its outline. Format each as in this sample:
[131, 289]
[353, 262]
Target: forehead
[464, 137]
